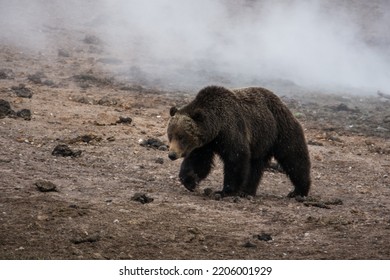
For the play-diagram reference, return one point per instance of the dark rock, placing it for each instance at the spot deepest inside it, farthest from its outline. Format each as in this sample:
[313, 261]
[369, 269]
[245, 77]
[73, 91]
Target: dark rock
[5, 108]
[152, 143]
[25, 114]
[65, 151]
[89, 78]
[108, 101]
[92, 40]
[264, 237]
[37, 77]
[63, 53]
[142, 197]
[333, 201]
[89, 137]
[249, 244]
[6, 74]
[86, 138]
[163, 148]
[159, 160]
[299, 198]
[125, 120]
[208, 191]
[49, 83]
[316, 204]
[45, 186]
[22, 91]
[344, 107]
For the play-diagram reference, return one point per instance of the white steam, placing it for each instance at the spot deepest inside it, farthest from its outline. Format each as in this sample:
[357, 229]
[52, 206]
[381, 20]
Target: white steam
[187, 43]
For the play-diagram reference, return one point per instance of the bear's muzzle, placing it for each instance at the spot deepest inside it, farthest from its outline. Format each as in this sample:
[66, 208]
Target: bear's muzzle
[173, 155]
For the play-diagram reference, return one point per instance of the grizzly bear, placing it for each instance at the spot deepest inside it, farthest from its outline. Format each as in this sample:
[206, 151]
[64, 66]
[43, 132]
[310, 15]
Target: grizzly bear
[245, 128]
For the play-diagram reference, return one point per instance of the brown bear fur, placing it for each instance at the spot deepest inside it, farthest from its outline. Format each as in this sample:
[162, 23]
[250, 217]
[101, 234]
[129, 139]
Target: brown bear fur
[246, 128]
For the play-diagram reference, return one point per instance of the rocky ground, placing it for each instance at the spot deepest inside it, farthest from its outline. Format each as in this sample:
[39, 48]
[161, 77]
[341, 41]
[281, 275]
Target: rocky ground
[84, 172]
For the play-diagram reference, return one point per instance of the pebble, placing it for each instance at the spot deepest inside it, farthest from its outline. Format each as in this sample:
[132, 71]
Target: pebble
[64, 151]
[45, 186]
[142, 197]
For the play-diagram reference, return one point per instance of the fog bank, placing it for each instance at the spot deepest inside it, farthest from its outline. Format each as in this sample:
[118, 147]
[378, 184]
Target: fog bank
[321, 44]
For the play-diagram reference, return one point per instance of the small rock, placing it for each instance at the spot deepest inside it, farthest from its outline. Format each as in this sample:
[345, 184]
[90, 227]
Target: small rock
[63, 53]
[92, 39]
[97, 256]
[24, 114]
[163, 148]
[159, 160]
[208, 191]
[37, 77]
[83, 99]
[83, 239]
[152, 143]
[45, 186]
[5, 108]
[249, 244]
[335, 139]
[49, 83]
[125, 120]
[22, 91]
[334, 201]
[64, 151]
[264, 237]
[344, 107]
[86, 138]
[316, 204]
[6, 74]
[108, 101]
[142, 197]
[299, 198]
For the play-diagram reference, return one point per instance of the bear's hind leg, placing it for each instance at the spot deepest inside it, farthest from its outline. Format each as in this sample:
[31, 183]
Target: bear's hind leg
[196, 167]
[256, 173]
[296, 164]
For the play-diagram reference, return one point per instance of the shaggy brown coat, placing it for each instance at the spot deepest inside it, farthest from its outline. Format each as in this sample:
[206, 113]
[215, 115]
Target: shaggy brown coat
[246, 128]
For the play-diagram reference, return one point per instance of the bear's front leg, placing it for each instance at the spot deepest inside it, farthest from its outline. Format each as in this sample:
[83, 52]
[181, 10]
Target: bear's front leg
[195, 167]
[236, 176]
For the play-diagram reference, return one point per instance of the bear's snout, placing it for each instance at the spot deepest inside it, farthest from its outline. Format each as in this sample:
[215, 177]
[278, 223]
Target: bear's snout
[173, 155]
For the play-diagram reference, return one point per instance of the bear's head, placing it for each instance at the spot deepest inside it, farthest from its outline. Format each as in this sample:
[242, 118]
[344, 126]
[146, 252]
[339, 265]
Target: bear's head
[184, 133]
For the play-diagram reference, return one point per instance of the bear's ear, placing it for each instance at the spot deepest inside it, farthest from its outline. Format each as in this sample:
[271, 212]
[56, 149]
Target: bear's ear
[198, 116]
[173, 111]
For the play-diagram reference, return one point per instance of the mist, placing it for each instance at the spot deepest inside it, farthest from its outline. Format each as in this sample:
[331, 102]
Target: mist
[188, 44]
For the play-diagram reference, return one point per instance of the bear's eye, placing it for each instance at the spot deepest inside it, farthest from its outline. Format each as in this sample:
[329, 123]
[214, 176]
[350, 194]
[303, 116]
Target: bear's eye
[180, 137]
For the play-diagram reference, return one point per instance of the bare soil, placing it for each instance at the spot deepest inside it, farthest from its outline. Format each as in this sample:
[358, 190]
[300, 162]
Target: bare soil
[112, 193]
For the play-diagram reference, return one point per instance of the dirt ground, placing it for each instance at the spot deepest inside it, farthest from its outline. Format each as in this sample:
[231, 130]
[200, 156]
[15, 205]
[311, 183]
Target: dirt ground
[117, 195]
